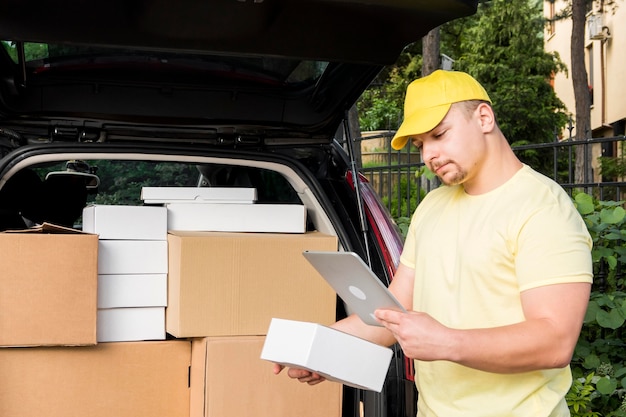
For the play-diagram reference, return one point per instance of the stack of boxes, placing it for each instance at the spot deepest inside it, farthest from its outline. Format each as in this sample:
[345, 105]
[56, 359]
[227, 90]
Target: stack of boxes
[166, 270]
[132, 271]
[233, 266]
[220, 209]
[50, 362]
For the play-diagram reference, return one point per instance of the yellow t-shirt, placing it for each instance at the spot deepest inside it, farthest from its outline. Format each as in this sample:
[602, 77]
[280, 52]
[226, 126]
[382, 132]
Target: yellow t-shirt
[473, 256]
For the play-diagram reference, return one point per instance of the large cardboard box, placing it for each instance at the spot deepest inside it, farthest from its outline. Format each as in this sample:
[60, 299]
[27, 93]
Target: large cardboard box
[336, 355]
[223, 195]
[111, 379]
[229, 380]
[131, 324]
[216, 217]
[48, 287]
[126, 222]
[224, 284]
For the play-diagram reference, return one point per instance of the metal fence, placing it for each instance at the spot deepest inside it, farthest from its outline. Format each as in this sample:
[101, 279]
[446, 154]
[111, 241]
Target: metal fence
[398, 178]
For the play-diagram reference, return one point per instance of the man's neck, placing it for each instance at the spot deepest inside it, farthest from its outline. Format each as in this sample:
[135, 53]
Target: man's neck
[495, 171]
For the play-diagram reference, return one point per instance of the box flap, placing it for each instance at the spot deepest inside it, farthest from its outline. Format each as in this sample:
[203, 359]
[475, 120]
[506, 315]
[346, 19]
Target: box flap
[47, 228]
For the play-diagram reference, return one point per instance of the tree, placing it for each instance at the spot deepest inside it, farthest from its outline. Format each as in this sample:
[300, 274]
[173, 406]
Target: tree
[581, 89]
[504, 51]
[431, 52]
[502, 46]
[380, 106]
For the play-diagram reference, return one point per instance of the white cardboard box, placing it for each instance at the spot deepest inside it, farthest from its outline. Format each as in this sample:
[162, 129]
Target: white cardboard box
[223, 195]
[132, 257]
[131, 324]
[132, 290]
[336, 355]
[126, 222]
[263, 218]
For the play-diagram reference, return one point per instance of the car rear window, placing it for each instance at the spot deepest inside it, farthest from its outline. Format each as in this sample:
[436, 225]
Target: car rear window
[62, 189]
[43, 57]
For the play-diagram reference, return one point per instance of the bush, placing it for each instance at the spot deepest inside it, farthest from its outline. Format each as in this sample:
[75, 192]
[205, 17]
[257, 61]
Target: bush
[599, 363]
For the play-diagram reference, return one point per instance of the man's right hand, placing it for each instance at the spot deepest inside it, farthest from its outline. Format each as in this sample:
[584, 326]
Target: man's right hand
[302, 375]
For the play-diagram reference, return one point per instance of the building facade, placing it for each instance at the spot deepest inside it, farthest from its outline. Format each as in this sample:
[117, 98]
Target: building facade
[605, 57]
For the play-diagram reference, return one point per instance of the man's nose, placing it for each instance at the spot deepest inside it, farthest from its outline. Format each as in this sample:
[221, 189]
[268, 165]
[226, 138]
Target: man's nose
[428, 151]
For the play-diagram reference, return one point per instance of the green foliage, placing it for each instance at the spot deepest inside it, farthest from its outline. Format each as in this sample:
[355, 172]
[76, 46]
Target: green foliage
[400, 217]
[381, 108]
[381, 113]
[502, 46]
[403, 224]
[613, 168]
[32, 51]
[599, 362]
[504, 51]
[398, 206]
[121, 181]
[580, 396]
[606, 221]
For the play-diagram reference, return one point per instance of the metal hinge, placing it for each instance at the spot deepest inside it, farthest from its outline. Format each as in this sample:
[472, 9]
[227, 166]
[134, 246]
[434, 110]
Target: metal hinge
[76, 134]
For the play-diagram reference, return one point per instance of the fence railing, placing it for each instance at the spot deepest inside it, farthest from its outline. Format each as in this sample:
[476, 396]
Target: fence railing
[398, 176]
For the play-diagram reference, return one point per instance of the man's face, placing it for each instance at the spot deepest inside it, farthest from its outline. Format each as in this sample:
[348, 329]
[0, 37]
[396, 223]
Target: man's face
[454, 150]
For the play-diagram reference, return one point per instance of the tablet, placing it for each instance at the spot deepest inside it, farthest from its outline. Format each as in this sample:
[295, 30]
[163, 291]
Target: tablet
[354, 282]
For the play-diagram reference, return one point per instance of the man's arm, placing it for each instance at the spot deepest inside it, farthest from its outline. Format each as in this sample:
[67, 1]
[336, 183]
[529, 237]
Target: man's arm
[545, 340]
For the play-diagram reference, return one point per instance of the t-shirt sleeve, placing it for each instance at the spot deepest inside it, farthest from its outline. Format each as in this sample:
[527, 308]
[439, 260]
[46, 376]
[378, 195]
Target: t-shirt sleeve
[553, 247]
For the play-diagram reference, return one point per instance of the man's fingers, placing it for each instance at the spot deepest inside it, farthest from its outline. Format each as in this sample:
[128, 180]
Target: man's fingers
[388, 316]
[316, 380]
[304, 375]
[277, 368]
[299, 374]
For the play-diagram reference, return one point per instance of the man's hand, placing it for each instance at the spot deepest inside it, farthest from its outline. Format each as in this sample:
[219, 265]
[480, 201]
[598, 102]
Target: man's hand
[302, 375]
[420, 336]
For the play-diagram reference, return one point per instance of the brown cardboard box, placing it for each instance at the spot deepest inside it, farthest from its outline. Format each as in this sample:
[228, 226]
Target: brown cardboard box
[225, 284]
[127, 379]
[228, 379]
[48, 287]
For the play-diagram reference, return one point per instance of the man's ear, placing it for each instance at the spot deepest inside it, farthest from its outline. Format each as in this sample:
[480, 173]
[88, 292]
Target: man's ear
[486, 117]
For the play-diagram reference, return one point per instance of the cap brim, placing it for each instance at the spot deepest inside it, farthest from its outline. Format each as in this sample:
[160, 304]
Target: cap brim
[420, 122]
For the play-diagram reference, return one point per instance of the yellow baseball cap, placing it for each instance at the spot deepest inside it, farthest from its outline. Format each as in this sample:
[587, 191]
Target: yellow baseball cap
[429, 98]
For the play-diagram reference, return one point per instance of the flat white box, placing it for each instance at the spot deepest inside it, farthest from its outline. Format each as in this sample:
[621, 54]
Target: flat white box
[132, 290]
[270, 218]
[223, 195]
[131, 324]
[132, 257]
[336, 355]
[126, 222]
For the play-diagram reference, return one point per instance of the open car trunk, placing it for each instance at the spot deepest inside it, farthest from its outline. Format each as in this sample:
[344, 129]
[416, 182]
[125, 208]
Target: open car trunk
[97, 101]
